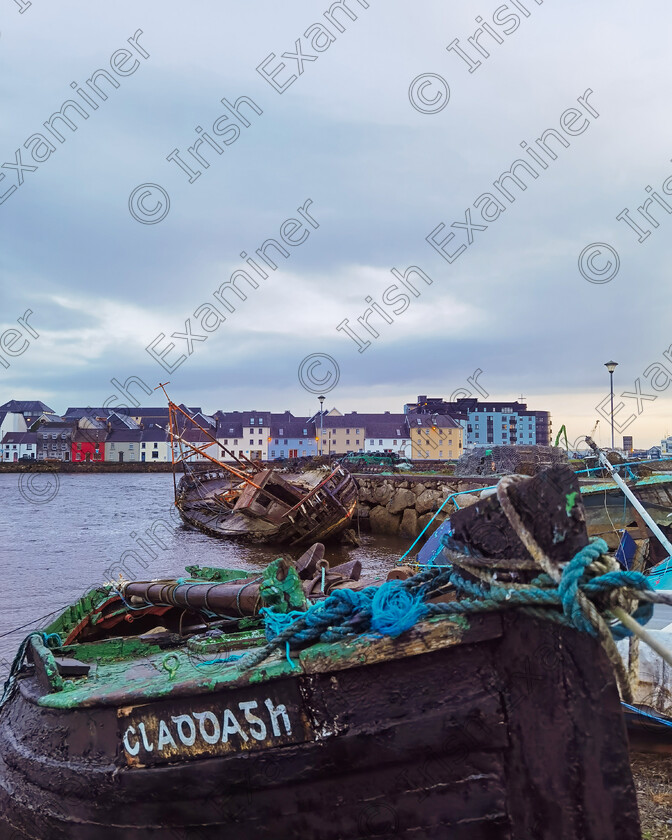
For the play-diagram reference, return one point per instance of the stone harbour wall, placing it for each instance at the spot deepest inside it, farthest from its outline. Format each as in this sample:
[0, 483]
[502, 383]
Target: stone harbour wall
[402, 505]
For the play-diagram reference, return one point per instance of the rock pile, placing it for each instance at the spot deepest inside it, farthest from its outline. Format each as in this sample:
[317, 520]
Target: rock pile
[398, 507]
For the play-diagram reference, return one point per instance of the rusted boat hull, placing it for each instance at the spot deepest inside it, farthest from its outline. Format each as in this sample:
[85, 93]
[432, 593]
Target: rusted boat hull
[511, 728]
[322, 518]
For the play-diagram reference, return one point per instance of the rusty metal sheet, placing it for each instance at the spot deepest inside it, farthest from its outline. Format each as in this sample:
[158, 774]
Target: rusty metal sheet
[203, 727]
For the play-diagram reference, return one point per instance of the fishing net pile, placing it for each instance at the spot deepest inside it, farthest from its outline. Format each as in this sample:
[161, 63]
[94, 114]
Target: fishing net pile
[507, 460]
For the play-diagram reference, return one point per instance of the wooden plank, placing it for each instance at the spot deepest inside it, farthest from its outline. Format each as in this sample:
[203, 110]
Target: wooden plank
[423, 637]
[568, 773]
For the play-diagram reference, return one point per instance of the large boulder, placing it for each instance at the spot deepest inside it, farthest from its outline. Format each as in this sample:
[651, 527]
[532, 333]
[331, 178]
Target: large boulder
[401, 500]
[365, 490]
[428, 501]
[382, 493]
[409, 524]
[467, 499]
[384, 522]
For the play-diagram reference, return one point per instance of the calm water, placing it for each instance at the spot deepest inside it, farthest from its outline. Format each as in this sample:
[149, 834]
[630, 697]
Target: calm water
[63, 534]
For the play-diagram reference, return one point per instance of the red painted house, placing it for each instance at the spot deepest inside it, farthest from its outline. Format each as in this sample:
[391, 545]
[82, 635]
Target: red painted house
[88, 445]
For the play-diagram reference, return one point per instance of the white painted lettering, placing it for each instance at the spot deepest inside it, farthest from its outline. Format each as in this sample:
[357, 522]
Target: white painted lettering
[165, 737]
[145, 743]
[230, 726]
[189, 738]
[202, 717]
[257, 726]
[276, 712]
[129, 749]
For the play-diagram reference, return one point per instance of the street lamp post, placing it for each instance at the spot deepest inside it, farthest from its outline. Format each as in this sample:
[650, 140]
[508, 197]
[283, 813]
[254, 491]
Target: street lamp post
[611, 367]
[321, 399]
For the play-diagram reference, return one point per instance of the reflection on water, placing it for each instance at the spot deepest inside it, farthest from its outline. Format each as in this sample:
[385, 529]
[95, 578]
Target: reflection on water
[98, 526]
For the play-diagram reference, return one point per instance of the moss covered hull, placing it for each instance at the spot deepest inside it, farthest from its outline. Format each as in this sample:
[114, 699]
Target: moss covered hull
[507, 727]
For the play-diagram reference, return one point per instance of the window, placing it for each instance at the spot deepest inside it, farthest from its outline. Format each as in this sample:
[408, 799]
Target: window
[273, 452]
[155, 454]
[301, 443]
[281, 432]
[371, 442]
[260, 421]
[156, 444]
[29, 446]
[356, 442]
[380, 442]
[142, 445]
[305, 432]
[251, 431]
[251, 421]
[261, 443]
[130, 446]
[235, 442]
[347, 443]
[347, 431]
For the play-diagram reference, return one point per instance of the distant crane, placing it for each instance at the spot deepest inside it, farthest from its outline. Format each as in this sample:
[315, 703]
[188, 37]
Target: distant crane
[562, 433]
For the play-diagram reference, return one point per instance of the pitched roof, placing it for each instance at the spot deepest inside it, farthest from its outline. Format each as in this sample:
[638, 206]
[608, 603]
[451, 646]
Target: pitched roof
[123, 436]
[89, 435]
[292, 427]
[26, 406]
[385, 429]
[232, 429]
[355, 420]
[121, 421]
[60, 425]
[428, 421]
[20, 437]
[154, 433]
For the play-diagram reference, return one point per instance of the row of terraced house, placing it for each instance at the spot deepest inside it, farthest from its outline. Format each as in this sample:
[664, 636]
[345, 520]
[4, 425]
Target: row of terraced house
[33, 431]
[429, 429]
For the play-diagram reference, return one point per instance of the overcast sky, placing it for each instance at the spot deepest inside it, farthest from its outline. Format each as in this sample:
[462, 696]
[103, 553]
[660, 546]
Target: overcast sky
[382, 173]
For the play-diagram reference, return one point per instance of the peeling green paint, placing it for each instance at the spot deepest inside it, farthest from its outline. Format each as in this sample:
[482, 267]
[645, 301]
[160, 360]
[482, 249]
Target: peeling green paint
[570, 502]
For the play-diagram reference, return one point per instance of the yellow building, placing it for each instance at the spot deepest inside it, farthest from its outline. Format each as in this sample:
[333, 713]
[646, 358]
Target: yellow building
[341, 433]
[435, 437]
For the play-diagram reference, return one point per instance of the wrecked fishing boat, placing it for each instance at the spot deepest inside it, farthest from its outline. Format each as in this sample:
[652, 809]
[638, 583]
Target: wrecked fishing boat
[251, 501]
[607, 508]
[307, 702]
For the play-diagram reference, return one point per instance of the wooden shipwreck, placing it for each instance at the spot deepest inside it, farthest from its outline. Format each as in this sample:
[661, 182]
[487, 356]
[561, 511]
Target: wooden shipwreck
[138, 721]
[250, 501]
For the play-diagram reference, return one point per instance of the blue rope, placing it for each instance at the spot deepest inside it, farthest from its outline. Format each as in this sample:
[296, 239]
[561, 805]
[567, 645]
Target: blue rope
[47, 638]
[231, 658]
[396, 606]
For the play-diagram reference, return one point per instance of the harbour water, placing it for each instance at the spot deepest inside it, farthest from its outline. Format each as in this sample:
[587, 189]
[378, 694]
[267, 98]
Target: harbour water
[62, 534]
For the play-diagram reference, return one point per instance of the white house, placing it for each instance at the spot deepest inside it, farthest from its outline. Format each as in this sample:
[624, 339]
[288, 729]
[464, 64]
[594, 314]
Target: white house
[17, 446]
[386, 436]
